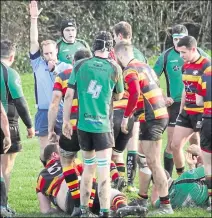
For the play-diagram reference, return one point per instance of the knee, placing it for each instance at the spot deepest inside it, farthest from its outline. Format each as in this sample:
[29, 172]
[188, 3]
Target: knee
[142, 164]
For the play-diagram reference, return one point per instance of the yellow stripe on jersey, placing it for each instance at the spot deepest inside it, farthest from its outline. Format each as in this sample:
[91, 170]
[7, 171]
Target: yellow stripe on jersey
[73, 122]
[50, 186]
[208, 104]
[204, 85]
[77, 192]
[73, 183]
[129, 71]
[75, 102]
[38, 183]
[64, 83]
[200, 60]
[122, 102]
[142, 116]
[199, 110]
[160, 111]
[191, 78]
[207, 70]
[153, 93]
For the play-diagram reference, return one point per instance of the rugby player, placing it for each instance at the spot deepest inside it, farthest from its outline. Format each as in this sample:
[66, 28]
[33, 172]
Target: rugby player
[204, 98]
[146, 100]
[95, 79]
[170, 63]
[190, 115]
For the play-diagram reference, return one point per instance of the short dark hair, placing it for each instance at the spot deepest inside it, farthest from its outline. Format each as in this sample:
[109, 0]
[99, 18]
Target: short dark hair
[124, 28]
[124, 46]
[188, 42]
[49, 149]
[82, 53]
[102, 41]
[179, 29]
[7, 47]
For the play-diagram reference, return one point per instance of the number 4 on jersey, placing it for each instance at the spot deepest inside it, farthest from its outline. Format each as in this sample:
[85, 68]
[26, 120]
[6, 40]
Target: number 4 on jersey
[94, 89]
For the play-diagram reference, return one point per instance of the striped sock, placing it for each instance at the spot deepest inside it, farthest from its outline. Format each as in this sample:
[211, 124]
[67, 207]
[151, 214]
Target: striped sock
[72, 182]
[121, 169]
[118, 202]
[165, 200]
[114, 174]
[104, 212]
[93, 193]
[131, 166]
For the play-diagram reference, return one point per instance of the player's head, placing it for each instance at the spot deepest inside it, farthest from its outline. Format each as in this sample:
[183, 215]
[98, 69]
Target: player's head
[103, 42]
[122, 31]
[178, 31]
[187, 46]
[81, 54]
[8, 50]
[51, 152]
[124, 53]
[50, 50]
[69, 30]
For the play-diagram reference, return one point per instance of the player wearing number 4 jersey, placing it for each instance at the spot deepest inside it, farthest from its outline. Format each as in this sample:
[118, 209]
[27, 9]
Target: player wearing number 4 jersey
[146, 99]
[95, 79]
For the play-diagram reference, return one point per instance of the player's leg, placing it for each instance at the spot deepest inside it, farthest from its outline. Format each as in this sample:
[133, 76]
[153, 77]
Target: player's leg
[103, 143]
[132, 147]
[68, 149]
[89, 158]
[173, 111]
[151, 146]
[206, 146]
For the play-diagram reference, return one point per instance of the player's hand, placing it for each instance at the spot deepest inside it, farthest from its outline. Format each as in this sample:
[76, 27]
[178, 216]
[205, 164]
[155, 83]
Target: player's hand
[124, 125]
[191, 160]
[31, 132]
[51, 65]
[33, 9]
[67, 130]
[52, 137]
[169, 101]
[194, 149]
[6, 144]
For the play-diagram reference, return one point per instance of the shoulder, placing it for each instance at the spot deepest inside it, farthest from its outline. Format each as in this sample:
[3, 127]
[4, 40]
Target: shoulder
[81, 63]
[83, 42]
[115, 65]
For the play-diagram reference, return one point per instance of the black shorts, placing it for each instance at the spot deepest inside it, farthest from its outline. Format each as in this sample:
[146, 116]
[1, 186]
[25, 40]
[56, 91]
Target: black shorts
[153, 130]
[173, 111]
[205, 136]
[15, 140]
[190, 121]
[89, 141]
[70, 145]
[121, 139]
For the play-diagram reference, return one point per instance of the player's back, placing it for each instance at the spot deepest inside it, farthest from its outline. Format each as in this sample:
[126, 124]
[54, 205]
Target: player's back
[189, 190]
[96, 78]
[50, 178]
[151, 98]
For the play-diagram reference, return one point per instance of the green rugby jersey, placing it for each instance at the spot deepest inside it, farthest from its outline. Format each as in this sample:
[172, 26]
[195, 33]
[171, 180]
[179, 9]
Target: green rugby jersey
[188, 190]
[95, 79]
[171, 64]
[66, 50]
[10, 85]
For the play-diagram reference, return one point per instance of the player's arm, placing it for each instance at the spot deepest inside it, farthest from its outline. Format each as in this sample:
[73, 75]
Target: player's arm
[34, 13]
[6, 130]
[134, 92]
[159, 65]
[4, 123]
[182, 100]
[199, 100]
[53, 111]
[45, 204]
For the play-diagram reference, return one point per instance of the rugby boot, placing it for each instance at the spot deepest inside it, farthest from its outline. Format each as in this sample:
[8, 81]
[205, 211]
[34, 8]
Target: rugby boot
[87, 213]
[135, 211]
[139, 202]
[76, 212]
[162, 210]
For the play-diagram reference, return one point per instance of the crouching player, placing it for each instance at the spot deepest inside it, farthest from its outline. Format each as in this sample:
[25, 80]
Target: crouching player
[52, 189]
